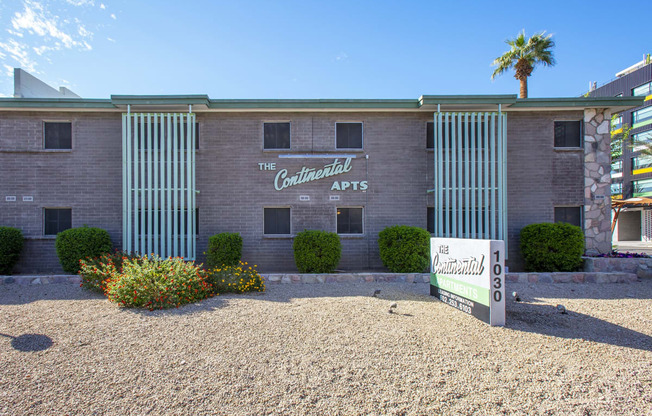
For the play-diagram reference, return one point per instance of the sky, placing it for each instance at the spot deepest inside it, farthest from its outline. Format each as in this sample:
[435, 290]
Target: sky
[313, 49]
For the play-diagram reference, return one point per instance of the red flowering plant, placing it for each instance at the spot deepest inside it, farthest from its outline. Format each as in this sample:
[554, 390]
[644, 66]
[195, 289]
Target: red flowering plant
[155, 283]
[96, 271]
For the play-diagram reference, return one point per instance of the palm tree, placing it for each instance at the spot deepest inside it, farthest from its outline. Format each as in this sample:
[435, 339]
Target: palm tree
[524, 55]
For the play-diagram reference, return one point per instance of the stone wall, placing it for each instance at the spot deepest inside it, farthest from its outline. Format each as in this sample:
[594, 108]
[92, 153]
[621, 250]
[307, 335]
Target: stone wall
[597, 181]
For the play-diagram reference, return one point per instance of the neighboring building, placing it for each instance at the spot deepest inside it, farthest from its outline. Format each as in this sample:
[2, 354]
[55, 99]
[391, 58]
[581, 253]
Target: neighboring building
[268, 169]
[632, 173]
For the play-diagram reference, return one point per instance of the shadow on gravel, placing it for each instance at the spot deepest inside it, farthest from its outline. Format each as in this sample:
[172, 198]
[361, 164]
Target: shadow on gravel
[30, 342]
[547, 320]
[641, 289]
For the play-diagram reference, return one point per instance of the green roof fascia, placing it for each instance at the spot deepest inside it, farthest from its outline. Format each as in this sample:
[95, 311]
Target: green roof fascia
[313, 104]
[159, 99]
[72, 103]
[467, 99]
[580, 102]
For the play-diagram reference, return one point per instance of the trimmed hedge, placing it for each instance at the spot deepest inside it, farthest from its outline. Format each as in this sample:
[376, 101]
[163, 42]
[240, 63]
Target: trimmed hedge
[404, 249]
[224, 249]
[552, 247]
[11, 245]
[317, 251]
[75, 244]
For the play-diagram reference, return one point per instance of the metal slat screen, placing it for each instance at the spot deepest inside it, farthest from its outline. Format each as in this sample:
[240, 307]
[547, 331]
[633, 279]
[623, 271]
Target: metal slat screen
[470, 193]
[158, 184]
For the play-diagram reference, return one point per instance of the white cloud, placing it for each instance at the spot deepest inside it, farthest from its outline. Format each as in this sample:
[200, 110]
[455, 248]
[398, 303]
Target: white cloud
[110, 39]
[342, 57]
[83, 32]
[10, 70]
[113, 16]
[34, 20]
[20, 53]
[102, 6]
[11, 32]
[81, 2]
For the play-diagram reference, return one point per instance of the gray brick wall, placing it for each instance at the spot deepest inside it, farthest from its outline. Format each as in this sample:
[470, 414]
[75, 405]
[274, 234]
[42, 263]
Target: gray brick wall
[234, 191]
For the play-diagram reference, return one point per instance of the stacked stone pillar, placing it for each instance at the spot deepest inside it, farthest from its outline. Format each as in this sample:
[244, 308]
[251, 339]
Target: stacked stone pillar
[597, 180]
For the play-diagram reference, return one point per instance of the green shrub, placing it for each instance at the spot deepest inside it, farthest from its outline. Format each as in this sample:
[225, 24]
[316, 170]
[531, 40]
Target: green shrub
[75, 244]
[317, 251]
[237, 279]
[404, 249]
[95, 272]
[552, 247]
[11, 244]
[157, 284]
[224, 249]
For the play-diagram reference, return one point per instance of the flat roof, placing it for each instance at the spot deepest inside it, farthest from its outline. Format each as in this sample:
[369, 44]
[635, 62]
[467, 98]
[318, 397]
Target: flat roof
[202, 103]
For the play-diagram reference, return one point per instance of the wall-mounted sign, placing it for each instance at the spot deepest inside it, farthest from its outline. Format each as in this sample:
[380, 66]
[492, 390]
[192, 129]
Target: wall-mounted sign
[284, 179]
[469, 275]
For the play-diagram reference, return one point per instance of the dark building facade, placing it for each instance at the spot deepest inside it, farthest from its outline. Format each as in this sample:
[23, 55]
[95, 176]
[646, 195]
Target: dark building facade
[632, 173]
[164, 173]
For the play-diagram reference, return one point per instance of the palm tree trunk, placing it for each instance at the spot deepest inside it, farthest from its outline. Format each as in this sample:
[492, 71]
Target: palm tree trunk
[523, 87]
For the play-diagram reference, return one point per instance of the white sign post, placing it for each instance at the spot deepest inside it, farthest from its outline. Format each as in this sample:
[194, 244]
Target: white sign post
[470, 276]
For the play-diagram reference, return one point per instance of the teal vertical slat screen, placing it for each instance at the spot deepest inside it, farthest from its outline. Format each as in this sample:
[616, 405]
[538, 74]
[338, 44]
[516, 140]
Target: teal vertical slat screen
[158, 184]
[470, 194]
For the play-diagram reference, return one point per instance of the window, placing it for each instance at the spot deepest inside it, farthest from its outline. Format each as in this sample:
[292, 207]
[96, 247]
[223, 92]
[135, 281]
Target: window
[645, 89]
[430, 135]
[644, 114]
[568, 133]
[430, 222]
[276, 135]
[57, 220]
[616, 167]
[570, 215]
[641, 140]
[641, 162]
[349, 221]
[57, 135]
[348, 135]
[642, 187]
[616, 122]
[616, 188]
[276, 221]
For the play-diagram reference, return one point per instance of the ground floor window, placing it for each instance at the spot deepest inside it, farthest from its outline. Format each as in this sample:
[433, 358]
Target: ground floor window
[276, 221]
[570, 215]
[349, 221]
[56, 220]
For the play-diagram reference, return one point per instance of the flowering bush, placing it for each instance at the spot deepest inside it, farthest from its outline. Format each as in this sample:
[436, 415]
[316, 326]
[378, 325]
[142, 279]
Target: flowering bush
[156, 283]
[625, 255]
[238, 279]
[95, 272]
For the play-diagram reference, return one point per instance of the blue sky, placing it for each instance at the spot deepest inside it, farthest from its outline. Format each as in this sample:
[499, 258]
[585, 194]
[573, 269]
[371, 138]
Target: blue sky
[312, 49]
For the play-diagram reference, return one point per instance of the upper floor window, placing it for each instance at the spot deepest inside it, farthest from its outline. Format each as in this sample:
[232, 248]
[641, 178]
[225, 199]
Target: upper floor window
[56, 220]
[276, 135]
[642, 187]
[57, 135]
[641, 162]
[430, 135]
[645, 89]
[568, 133]
[644, 114]
[616, 166]
[616, 122]
[348, 135]
[616, 188]
[642, 140]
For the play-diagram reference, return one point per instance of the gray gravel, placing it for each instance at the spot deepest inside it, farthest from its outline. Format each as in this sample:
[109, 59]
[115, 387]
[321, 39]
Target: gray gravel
[327, 349]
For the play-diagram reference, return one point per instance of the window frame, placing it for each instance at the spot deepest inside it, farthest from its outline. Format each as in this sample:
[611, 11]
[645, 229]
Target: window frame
[289, 123]
[647, 109]
[581, 134]
[290, 222]
[361, 148]
[45, 209]
[72, 135]
[362, 220]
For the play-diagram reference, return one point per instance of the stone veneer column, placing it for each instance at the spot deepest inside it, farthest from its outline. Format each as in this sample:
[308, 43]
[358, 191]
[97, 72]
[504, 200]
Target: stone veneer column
[597, 180]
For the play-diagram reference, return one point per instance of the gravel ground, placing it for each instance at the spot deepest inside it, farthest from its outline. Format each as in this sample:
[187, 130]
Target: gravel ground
[327, 349]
